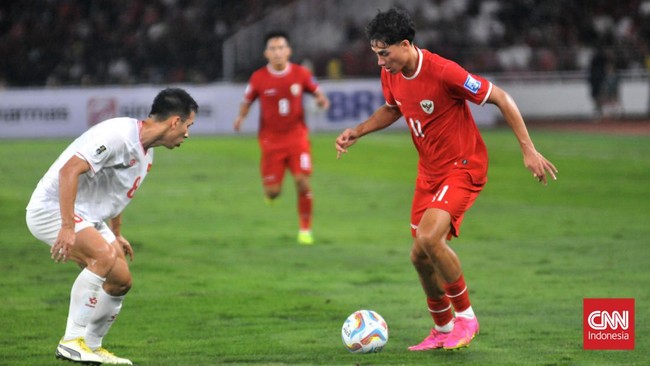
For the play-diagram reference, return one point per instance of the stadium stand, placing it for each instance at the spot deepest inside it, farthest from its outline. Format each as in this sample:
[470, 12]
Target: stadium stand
[124, 42]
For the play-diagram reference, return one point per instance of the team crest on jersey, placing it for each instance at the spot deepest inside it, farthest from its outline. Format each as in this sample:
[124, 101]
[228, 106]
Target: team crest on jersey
[427, 106]
[100, 150]
[472, 84]
[295, 89]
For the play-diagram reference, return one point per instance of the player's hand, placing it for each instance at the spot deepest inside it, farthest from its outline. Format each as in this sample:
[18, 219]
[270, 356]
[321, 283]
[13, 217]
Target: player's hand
[539, 166]
[237, 124]
[125, 246]
[63, 245]
[323, 103]
[346, 139]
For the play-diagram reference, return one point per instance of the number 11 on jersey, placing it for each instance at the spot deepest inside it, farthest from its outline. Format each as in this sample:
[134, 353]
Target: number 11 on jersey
[416, 126]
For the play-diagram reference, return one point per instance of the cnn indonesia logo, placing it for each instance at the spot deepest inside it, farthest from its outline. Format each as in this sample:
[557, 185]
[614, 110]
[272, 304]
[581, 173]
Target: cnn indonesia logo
[608, 324]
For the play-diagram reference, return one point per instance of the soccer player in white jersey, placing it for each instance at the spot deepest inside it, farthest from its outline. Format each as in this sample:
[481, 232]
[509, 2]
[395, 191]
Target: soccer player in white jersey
[90, 184]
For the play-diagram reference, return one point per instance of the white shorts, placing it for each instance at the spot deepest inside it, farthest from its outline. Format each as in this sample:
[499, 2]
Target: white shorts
[45, 226]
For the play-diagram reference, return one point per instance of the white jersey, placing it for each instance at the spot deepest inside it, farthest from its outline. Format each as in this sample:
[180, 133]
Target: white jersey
[118, 165]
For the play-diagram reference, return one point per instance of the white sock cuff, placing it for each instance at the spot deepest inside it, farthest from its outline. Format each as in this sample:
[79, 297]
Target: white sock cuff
[92, 277]
[467, 313]
[445, 328]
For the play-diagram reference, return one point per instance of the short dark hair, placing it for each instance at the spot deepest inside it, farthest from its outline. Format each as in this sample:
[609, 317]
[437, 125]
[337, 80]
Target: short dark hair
[390, 27]
[173, 101]
[276, 34]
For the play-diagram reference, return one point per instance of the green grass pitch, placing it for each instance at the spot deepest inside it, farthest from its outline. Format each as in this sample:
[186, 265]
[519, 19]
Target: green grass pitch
[219, 278]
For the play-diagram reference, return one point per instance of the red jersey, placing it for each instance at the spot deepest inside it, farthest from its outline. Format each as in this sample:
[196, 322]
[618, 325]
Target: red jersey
[280, 94]
[433, 103]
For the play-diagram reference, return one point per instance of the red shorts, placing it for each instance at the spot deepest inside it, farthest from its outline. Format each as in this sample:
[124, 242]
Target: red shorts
[278, 157]
[454, 194]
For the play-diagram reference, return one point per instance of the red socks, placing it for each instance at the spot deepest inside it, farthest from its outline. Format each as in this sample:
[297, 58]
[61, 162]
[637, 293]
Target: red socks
[440, 310]
[458, 294]
[304, 210]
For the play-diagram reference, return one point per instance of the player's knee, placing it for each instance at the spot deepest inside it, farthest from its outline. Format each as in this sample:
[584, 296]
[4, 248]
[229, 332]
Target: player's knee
[119, 282]
[303, 188]
[119, 288]
[272, 192]
[102, 262]
[422, 242]
[431, 245]
[302, 184]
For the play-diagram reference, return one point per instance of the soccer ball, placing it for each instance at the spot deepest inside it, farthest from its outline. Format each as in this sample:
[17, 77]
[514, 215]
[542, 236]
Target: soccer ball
[364, 331]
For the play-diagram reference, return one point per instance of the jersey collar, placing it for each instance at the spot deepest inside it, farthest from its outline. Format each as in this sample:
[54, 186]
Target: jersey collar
[140, 123]
[417, 71]
[274, 72]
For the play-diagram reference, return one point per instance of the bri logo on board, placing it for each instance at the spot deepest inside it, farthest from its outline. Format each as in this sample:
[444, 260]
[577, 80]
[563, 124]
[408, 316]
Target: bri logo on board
[608, 324]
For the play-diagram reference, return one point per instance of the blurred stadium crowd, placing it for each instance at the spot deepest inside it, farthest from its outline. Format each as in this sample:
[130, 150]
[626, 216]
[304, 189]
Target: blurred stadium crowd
[97, 42]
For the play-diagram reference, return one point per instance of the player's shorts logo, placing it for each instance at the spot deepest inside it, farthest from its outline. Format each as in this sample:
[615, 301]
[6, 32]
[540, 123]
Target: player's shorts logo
[608, 324]
[427, 106]
[472, 84]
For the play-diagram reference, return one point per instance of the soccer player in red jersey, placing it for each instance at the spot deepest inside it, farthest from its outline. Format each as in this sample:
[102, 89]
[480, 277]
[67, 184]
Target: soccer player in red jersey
[430, 92]
[283, 134]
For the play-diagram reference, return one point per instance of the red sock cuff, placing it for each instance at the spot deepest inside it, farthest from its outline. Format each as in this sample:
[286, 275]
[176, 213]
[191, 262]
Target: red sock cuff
[458, 295]
[440, 310]
[454, 289]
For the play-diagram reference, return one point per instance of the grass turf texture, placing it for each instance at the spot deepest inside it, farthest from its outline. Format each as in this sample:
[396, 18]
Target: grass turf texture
[219, 278]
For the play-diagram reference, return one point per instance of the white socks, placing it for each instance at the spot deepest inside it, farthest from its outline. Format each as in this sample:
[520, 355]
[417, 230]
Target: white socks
[445, 328]
[102, 318]
[467, 313]
[92, 311]
[83, 300]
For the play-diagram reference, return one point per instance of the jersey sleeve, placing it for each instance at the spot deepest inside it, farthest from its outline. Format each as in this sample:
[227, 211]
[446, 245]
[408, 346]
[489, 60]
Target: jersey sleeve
[462, 85]
[385, 88]
[310, 83]
[102, 149]
[250, 93]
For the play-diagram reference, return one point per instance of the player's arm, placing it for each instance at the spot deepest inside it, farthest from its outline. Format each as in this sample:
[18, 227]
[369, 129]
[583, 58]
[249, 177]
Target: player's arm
[321, 99]
[244, 108]
[68, 184]
[533, 160]
[383, 117]
[116, 225]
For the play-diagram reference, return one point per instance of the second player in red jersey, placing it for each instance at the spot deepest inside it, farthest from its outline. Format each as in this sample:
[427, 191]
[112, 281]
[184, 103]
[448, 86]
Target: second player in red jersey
[283, 134]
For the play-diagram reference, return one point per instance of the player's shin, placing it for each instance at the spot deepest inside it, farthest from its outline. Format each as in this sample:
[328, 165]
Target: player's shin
[305, 210]
[83, 302]
[108, 307]
[459, 296]
[441, 313]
